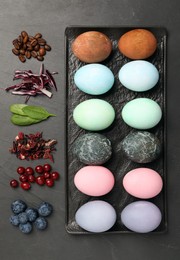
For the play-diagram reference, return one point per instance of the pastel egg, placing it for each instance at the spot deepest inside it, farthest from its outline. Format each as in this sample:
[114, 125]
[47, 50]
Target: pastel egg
[142, 113]
[143, 141]
[96, 216]
[143, 183]
[94, 79]
[92, 149]
[141, 216]
[94, 114]
[139, 75]
[94, 180]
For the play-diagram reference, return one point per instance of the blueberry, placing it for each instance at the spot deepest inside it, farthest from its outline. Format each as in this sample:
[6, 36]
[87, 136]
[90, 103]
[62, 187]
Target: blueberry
[18, 206]
[25, 228]
[32, 214]
[41, 223]
[45, 209]
[14, 220]
[23, 218]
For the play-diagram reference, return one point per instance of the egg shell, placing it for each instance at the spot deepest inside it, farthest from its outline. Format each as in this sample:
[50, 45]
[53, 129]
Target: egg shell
[143, 141]
[94, 114]
[143, 183]
[139, 75]
[92, 148]
[142, 113]
[94, 79]
[137, 44]
[96, 216]
[141, 216]
[94, 180]
[92, 46]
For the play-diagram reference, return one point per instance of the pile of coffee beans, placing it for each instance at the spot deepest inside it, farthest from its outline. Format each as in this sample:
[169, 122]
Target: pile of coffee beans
[26, 46]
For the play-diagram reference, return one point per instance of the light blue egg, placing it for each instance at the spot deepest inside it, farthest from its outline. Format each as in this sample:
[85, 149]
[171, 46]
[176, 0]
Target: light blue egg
[139, 75]
[96, 216]
[141, 216]
[94, 79]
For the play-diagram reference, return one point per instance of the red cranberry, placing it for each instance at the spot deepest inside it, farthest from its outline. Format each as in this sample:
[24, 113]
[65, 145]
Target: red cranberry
[47, 167]
[47, 175]
[39, 169]
[49, 182]
[29, 171]
[23, 178]
[20, 170]
[31, 178]
[14, 183]
[40, 180]
[55, 175]
[25, 185]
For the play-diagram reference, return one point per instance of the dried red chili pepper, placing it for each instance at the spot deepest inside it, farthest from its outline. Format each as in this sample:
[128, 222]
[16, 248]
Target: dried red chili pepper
[33, 147]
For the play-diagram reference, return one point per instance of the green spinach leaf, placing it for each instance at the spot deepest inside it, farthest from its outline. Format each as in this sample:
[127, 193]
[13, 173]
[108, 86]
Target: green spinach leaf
[23, 120]
[36, 112]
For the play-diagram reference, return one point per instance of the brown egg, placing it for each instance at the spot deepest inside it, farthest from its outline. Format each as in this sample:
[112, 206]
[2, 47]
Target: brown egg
[92, 47]
[137, 44]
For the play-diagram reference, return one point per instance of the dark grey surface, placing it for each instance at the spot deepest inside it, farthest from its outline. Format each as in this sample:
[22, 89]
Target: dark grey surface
[51, 18]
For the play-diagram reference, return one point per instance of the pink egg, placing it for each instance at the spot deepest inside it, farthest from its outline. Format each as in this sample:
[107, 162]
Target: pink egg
[143, 183]
[94, 180]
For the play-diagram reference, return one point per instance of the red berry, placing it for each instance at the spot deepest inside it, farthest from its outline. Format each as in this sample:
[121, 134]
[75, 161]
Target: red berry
[47, 175]
[40, 180]
[49, 182]
[25, 185]
[29, 171]
[31, 178]
[14, 183]
[39, 169]
[47, 167]
[20, 170]
[55, 175]
[23, 178]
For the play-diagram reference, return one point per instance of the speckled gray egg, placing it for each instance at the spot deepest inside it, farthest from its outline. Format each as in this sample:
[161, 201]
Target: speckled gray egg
[92, 149]
[141, 147]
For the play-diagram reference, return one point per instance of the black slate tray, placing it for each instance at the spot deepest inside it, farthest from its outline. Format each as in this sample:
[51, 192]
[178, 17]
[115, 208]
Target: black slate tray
[118, 96]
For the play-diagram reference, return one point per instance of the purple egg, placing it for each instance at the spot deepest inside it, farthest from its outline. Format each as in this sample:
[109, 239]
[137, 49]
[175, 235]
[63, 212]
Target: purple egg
[141, 216]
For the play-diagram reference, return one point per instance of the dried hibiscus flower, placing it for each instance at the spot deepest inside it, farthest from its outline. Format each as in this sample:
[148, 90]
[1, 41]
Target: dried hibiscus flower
[32, 147]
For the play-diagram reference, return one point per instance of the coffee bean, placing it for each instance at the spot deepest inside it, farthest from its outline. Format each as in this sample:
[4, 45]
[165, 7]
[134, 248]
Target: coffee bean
[15, 41]
[34, 54]
[28, 54]
[15, 51]
[41, 41]
[20, 38]
[47, 47]
[24, 34]
[24, 46]
[38, 35]
[36, 48]
[16, 45]
[25, 39]
[40, 58]
[22, 58]
[22, 51]
[34, 42]
[42, 51]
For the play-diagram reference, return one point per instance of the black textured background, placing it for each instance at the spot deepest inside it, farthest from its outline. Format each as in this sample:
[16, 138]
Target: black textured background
[118, 96]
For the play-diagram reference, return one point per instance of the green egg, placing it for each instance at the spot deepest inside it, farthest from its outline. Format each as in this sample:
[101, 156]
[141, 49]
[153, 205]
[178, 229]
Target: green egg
[94, 114]
[142, 113]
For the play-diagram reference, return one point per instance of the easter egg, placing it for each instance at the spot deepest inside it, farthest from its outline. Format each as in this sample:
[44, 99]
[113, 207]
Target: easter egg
[94, 180]
[96, 216]
[94, 79]
[92, 46]
[141, 146]
[142, 113]
[94, 114]
[141, 216]
[137, 44]
[92, 149]
[139, 75]
[143, 183]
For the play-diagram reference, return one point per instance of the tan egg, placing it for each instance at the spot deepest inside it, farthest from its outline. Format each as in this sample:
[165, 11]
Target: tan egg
[137, 44]
[92, 47]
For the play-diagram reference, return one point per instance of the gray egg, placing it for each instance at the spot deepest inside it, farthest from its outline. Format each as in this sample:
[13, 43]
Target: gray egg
[92, 149]
[141, 147]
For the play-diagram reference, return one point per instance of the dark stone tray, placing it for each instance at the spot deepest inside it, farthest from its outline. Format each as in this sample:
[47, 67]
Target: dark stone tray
[118, 96]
